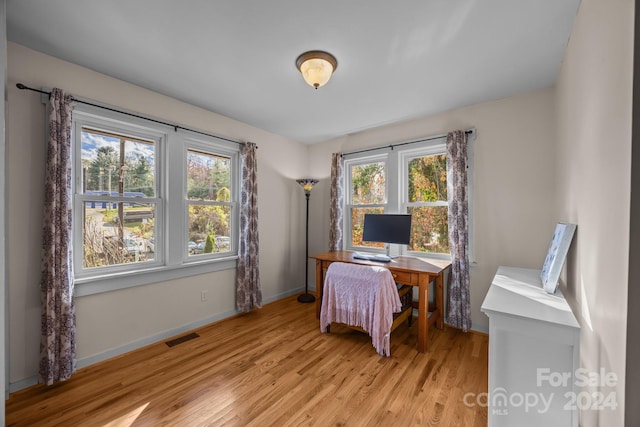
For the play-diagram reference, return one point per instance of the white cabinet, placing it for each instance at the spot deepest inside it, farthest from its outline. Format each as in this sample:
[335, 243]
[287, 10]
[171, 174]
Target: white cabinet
[534, 342]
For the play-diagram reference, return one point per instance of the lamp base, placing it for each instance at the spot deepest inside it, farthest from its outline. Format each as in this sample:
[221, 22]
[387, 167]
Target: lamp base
[306, 298]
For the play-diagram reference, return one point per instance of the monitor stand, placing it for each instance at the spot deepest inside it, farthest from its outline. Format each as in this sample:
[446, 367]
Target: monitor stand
[387, 249]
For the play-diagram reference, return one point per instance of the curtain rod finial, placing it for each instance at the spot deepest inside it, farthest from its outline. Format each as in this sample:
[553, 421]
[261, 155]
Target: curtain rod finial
[20, 86]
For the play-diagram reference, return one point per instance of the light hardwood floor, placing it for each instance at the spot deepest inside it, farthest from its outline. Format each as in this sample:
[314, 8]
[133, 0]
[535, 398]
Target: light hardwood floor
[272, 367]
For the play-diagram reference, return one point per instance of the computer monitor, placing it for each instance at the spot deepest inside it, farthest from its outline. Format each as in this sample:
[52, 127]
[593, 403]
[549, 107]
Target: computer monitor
[387, 228]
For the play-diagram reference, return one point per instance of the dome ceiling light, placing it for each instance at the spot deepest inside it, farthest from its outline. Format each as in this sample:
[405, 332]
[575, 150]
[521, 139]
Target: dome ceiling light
[316, 67]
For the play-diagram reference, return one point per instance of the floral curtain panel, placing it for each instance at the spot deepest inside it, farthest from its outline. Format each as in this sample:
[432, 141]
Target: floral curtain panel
[248, 291]
[459, 307]
[57, 346]
[336, 210]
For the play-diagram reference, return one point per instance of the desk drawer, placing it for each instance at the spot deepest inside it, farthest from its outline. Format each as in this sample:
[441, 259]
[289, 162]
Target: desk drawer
[404, 277]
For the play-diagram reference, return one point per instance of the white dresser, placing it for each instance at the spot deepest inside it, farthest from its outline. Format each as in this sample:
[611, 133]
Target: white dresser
[534, 342]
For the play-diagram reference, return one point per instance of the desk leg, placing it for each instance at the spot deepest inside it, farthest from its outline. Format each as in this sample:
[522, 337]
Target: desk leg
[319, 283]
[439, 301]
[423, 312]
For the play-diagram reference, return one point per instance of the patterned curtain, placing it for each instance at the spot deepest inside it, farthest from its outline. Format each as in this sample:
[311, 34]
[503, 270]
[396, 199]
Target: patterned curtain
[459, 307]
[336, 210]
[57, 345]
[248, 292]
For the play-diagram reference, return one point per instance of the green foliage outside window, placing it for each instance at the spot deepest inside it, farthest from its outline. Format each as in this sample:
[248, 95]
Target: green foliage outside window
[368, 184]
[205, 220]
[368, 187]
[429, 224]
[208, 180]
[427, 192]
[207, 175]
[113, 165]
[209, 244]
[428, 179]
[102, 173]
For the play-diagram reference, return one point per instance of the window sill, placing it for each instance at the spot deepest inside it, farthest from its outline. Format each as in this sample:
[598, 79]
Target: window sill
[129, 279]
[433, 255]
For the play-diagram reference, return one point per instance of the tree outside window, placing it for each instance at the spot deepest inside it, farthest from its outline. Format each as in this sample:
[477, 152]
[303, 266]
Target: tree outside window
[209, 202]
[117, 173]
[420, 189]
[368, 193]
[427, 197]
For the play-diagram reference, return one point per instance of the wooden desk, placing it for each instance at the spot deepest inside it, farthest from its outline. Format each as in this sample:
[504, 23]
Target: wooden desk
[412, 271]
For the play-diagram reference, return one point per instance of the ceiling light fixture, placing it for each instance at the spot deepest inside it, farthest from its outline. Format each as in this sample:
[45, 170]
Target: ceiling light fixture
[316, 67]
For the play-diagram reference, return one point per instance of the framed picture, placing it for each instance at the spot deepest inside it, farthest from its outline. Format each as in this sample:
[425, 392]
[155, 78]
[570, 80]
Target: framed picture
[556, 255]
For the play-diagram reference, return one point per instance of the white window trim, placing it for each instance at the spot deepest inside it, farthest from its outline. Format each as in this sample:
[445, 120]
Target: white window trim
[396, 159]
[83, 118]
[356, 161]
[172, 262]
[430, 148]
[197, 143]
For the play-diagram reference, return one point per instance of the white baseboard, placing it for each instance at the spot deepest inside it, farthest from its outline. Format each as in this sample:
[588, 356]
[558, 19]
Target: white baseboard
[117, 351]
[19, 385]
[480, 328]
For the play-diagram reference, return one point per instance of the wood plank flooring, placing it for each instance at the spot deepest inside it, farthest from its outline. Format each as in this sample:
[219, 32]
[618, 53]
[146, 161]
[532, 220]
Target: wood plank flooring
[271, 367]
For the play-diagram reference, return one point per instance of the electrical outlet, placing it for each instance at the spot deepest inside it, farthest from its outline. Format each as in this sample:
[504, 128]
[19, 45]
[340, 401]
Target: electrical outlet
[203, 296]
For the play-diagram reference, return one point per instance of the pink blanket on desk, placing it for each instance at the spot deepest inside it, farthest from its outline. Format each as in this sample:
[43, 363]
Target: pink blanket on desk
[363, 296]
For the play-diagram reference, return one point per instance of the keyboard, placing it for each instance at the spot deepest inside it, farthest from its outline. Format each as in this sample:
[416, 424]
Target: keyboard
[372, 257]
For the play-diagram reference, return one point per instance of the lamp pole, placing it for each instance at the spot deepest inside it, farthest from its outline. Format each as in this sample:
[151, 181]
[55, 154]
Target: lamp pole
[306, 297]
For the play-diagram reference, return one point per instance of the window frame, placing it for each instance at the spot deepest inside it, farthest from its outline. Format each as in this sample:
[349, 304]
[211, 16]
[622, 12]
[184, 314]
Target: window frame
[83, 120]
[397, 158]
[434, 148]
[216, 149]
[171, 223]
[349, 205]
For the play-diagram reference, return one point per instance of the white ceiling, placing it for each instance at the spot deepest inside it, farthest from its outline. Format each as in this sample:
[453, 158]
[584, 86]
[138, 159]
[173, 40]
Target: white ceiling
[397, 60]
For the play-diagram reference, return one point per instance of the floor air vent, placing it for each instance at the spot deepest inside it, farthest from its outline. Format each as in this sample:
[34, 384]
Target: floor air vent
[182, 339]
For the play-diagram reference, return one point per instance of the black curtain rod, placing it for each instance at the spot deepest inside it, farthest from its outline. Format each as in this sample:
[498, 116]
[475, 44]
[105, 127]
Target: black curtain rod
[174, 126]
[391, 146]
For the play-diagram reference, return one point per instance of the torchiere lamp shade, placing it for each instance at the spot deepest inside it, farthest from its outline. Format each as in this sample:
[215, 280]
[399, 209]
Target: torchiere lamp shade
[307, 184]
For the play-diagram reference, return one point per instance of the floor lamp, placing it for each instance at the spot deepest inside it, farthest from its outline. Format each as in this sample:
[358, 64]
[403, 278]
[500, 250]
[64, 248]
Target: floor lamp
[307, 184]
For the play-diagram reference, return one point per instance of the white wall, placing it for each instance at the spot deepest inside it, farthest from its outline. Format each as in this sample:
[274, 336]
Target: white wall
[594, 100]
[110, 323]
[513, 182]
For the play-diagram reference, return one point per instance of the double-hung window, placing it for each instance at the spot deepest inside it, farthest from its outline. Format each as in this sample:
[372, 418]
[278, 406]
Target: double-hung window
[368, 187]
[406, 179]
[209, 207]
[118, 200]
[424, 196]
[150, 202]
